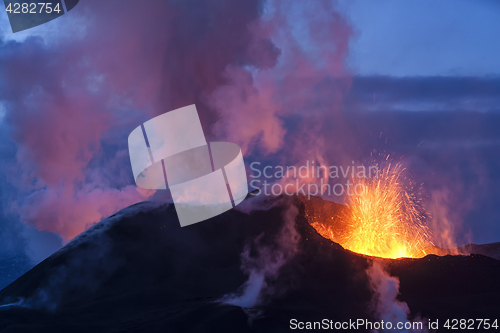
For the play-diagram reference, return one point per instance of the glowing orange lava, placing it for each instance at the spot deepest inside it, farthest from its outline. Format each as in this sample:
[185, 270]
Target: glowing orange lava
[386, 220]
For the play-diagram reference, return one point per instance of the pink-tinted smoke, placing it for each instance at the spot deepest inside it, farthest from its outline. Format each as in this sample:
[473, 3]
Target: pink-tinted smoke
[71, 101]
[254, 69]
[305, 87]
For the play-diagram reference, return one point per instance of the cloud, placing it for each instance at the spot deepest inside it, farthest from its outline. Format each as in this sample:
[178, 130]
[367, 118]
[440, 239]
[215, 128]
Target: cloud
[431, 94]
[280, 110]
[70, 103]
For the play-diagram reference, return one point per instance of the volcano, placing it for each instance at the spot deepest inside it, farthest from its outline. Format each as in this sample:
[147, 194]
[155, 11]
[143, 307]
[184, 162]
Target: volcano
[139, 271]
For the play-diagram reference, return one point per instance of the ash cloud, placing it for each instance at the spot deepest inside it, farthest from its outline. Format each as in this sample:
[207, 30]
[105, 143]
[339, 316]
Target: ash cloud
[288, 111]
[70, 103]
[70, 99]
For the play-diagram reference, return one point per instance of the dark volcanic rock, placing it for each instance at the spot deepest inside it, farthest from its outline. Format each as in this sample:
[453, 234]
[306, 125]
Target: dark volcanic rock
[139, 271]
[490, 250]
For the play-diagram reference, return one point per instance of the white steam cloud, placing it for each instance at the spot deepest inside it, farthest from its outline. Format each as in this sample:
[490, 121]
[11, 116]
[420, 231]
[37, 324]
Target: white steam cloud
[264, 268]
[384, 302]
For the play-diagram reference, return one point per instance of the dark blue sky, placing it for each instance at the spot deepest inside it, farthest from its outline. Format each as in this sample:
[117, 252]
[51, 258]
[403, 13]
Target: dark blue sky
[425, 37]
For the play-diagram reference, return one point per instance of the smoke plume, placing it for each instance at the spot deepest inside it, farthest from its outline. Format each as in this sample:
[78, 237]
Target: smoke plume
[70, 100]
[262, 262]
[384, 302]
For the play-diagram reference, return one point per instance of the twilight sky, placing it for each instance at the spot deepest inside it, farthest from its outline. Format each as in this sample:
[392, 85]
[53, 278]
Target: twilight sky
[287, 81]
[425, 38]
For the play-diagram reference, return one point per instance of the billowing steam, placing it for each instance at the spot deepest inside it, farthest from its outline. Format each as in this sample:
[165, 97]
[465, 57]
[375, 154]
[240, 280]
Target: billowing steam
[263, 267]
[272, 66]
[384, 302]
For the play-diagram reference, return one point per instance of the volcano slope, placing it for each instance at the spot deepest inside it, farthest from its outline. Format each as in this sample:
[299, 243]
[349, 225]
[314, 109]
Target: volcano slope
[139, 271]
